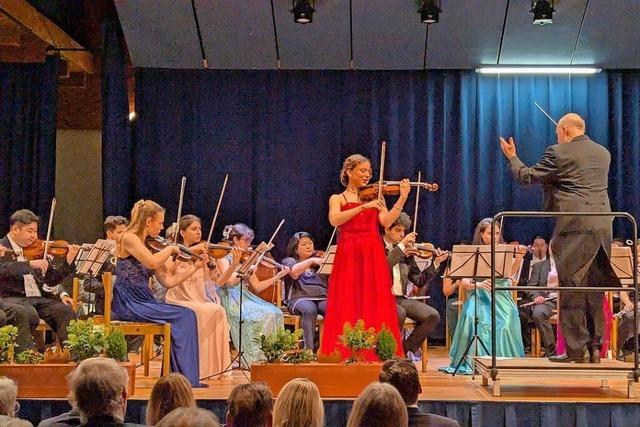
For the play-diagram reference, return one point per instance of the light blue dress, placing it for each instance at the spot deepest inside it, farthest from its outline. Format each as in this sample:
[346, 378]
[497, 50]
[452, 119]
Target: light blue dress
[259, 317]
[508, 335]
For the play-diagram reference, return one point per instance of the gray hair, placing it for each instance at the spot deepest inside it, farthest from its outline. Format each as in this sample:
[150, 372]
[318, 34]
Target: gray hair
[97, 386]
[403, 220]
[8, 395]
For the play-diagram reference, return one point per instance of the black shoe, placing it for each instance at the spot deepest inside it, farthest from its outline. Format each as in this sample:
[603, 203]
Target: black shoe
[567, 359]
[594, 356]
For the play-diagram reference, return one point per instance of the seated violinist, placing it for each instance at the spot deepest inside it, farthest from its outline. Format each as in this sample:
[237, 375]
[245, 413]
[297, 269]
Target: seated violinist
[305, 291]
[30, 283]
[404, 270]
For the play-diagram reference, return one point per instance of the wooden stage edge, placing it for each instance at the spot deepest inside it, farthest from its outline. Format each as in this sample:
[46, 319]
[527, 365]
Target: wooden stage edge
[544, 387]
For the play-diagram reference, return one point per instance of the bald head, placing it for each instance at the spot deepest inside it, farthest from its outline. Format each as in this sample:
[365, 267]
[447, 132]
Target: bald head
[569, 126]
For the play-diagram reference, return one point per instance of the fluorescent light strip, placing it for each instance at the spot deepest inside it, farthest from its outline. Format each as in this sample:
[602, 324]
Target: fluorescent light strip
[538, 70]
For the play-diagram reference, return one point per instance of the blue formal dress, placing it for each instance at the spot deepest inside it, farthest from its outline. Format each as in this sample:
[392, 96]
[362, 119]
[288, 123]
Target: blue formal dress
[133, 301]
[508, 335]
[259, 317]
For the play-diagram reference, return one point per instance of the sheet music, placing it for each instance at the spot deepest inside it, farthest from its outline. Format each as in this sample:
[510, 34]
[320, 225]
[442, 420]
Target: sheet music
[93, 259]
[327, 264]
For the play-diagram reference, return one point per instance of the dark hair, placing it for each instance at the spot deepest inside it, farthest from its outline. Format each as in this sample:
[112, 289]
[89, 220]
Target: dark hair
[403, 220]
[185, 222]
[480, 228]
[249, 404]
[292, 245]
[539, 237]
[403, 375]
[24, 217]
[113, 221]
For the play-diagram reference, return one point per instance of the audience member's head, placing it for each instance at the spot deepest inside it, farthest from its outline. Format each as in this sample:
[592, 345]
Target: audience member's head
[99, 388]
[299, 405]
[170, 392]
[379, 405]
[250, 405]
[403, 375]
[6, 421]
[8, 395]
[188, 417]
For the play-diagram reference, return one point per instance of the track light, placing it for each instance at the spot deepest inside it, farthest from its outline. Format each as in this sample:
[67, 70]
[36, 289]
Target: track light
[538, 70]
[430, 11]
[303, 11]
[542, 11]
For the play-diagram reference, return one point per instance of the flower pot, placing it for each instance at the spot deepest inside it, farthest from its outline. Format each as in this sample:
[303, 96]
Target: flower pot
[332, 379]
[50, 379]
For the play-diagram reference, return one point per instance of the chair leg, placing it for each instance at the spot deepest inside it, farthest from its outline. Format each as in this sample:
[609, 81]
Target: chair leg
[425, 355]
[144, 353]
[166, 350]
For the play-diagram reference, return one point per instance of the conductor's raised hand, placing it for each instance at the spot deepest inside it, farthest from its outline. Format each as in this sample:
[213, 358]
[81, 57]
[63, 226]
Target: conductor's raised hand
[508, 147]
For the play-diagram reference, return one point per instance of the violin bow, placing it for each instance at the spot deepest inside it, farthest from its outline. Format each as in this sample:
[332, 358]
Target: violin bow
[215, 215]
[48, 238]
[415, 211]
[273, 236]
[383, 153]
[545, 113]
[183, 183]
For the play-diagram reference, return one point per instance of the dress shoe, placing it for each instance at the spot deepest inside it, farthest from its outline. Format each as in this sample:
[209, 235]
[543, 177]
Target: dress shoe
[594, 356]
[567, 359]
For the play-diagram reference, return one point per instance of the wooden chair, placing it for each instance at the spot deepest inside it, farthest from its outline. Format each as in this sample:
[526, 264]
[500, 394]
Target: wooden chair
[409, 324]
[148, 330]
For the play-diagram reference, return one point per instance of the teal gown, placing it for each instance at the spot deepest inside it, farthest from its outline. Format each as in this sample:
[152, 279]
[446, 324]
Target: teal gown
[259, 317]
[508, 336]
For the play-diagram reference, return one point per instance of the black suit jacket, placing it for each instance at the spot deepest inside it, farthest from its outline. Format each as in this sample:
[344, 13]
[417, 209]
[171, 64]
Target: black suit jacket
[575, 179]
[417, 418]
[409, 270]
[539, 275]
[12, 275]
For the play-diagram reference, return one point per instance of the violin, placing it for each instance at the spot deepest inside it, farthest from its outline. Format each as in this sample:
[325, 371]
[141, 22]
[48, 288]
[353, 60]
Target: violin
[391, 188]
[56, 248]
[422, 250]
[156, 244]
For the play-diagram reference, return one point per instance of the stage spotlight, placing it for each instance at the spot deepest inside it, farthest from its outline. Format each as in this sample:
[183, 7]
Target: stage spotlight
[430, 11]
[542, 11]
[303, 11]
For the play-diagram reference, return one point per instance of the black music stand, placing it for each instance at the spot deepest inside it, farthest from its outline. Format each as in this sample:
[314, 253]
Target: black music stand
[474, 262]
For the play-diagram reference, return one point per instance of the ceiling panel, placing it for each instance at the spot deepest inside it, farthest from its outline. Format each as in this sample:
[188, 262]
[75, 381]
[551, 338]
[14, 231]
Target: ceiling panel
[237, 34]
[323, 44]
[160, 33]
[387, 35]
[467, 35]
[610, 36]
[528, 44]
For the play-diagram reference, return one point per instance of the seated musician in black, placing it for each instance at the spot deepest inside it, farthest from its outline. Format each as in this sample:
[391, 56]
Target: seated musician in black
[305, 291]
[114, 227]
[31, 283]
[404, 270]
[16, 315]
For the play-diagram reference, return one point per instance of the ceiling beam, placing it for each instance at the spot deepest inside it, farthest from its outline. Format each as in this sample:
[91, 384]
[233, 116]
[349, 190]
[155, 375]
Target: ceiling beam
[25, 14]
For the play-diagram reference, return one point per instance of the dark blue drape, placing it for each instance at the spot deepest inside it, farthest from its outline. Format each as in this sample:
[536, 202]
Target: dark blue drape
[28, 106]
[283, 135]
[116, 140]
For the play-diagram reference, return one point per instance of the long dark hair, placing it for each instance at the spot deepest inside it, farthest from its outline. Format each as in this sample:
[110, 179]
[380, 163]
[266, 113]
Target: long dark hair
[480, 228]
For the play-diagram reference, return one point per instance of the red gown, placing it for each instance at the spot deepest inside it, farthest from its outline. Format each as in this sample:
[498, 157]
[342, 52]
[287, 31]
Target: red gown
[360, 283]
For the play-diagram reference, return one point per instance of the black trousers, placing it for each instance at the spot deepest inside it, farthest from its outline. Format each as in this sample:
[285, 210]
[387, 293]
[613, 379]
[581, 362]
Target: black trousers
[53, 312]
[425, 316]
[23, 318]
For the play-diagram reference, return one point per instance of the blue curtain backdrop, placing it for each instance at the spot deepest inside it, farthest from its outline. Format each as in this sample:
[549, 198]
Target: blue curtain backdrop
[282, 136]
[28, 106]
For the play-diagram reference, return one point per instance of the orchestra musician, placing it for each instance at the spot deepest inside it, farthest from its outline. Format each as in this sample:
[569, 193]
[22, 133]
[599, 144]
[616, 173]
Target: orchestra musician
[31, 283]
[360, 280]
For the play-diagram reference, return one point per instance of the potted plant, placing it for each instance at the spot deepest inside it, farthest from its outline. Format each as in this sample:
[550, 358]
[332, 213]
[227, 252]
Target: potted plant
[334, 379]
[38, 379]
[275, 345]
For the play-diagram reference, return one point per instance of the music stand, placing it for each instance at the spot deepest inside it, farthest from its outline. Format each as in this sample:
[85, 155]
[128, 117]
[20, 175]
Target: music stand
[327, 264]
[244, 271]
[474, 262]
[622, 264]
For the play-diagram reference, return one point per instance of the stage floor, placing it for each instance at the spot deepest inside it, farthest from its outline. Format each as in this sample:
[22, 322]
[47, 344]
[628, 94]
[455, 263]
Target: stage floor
[437, 386]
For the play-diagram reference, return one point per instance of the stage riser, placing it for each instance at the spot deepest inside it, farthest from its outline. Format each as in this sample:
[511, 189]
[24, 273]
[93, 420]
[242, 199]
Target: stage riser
[473, 414]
